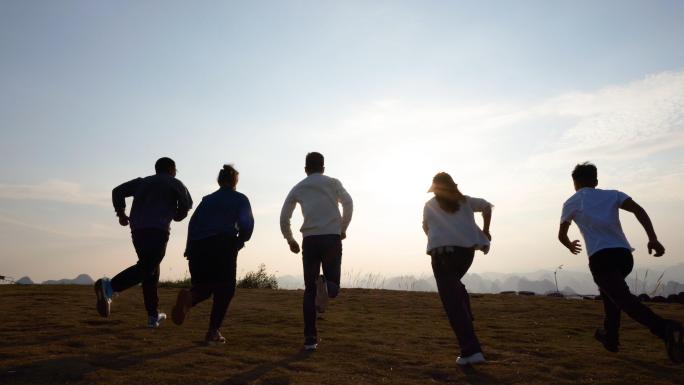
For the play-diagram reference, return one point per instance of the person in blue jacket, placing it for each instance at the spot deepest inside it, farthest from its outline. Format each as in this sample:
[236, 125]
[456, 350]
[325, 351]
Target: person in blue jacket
[218, 229]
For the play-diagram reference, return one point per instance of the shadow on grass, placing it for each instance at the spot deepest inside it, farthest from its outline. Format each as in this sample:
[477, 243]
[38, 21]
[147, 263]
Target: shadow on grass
[74, 368]
[476, 377]
[260, 370]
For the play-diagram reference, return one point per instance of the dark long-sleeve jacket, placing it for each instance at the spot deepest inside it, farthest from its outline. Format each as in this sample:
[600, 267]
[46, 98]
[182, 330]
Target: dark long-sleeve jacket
[157, 199]
[224, 211]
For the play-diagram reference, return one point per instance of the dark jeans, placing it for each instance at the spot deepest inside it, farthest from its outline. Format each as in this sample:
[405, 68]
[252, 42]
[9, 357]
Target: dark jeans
[449, 268]
[150, 245]
[609, 268]
[319, 250]
[213, 263]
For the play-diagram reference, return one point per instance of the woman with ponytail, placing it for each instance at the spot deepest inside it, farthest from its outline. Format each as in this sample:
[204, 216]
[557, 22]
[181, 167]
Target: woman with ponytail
[218, 229]
[453, 237]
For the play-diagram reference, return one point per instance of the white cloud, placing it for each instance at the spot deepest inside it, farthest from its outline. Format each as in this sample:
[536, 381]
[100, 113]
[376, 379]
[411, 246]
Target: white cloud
[53, 191]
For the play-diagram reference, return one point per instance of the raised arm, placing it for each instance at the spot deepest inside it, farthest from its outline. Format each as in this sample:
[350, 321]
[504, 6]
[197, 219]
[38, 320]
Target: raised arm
[645, 220]
[184, 202]
[285, 216]
[575, 247]
[347, 207]
[245, 222]
[487, 220]
[119, 195]
[426, 228]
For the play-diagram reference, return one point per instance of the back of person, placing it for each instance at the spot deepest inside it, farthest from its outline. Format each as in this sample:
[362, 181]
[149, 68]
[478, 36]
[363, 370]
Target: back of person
[318, 195]
[220, 212]
[455, 229]
[155, 202]
[596, 213]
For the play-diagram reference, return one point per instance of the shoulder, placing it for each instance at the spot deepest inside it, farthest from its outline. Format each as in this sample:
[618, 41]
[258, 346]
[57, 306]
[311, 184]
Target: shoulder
[241, 197]
[431, 203]
[572, 200]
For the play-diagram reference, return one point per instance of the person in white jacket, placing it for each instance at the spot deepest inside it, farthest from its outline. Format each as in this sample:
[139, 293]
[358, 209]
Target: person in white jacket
[453, 237]
[323, 230]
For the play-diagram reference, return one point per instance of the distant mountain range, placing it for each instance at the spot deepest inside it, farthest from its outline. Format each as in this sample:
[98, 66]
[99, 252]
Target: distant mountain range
[82, 279]
[539, 282]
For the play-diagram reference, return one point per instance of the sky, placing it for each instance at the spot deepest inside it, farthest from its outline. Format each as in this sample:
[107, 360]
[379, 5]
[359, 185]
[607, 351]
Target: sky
[505, 96]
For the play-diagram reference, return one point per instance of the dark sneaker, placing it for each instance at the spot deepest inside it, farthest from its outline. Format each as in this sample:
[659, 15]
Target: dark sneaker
[214, 337]
[310, 343]
[103, 299]
[321, 294]
[153, 322]
[182, 307]
[476, 358]
[611, 345]
[674, 341]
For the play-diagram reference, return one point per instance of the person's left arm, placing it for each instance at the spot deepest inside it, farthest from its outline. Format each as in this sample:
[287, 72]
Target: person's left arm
[184, 202]
[630, 205]
[245, 221]
[347, 207]
[481, 205]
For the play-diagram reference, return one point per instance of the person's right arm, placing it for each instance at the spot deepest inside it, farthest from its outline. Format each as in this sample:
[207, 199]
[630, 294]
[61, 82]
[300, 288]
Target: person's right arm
[184, 202]
[119, 195]
[285, 216]
[575, 247]
[643, 218]
[425, 221]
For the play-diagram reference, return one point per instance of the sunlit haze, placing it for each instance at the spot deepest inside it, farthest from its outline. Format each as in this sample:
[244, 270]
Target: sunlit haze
[505, 96]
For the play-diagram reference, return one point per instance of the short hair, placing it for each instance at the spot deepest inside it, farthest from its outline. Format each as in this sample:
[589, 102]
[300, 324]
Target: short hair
[164, 165]
[228, 175]
[314, 161]
[585, 174]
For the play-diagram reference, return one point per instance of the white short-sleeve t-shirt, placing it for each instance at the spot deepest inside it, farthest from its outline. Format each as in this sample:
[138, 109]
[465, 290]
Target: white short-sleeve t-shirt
[455, 229]
[596, 213]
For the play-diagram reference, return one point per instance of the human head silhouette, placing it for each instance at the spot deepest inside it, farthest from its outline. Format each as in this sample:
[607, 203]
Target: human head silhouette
[585, 175]
[165, 166]
[314, 163]
[228, 176]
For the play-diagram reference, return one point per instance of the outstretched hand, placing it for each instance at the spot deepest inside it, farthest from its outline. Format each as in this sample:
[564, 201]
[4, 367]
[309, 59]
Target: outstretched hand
[657, 247]
[294, 246]
[123, 220]
[575, 247]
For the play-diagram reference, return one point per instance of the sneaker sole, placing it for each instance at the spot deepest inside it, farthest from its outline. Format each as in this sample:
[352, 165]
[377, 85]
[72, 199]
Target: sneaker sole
[103, 306]
[182, 308]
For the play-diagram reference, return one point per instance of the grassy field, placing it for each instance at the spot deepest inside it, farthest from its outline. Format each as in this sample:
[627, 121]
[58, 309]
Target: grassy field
[52, 335]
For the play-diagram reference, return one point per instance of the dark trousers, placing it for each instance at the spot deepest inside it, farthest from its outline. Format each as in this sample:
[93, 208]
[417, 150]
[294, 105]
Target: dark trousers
[150, 245]
[317, 250]
[609, 267]
[449, 268]
[213, 264]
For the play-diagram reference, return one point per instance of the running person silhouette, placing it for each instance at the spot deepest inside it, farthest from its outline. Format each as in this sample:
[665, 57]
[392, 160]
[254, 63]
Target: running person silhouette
[323, 229]
[596, 213]
[453, 238]
[218, 229]
[157, 199]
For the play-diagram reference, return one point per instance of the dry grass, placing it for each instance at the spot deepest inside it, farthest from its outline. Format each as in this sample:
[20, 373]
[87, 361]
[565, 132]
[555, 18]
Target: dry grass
[52, 335]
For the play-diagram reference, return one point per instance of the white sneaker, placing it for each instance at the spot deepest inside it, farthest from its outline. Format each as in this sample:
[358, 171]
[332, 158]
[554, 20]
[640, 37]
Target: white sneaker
[476, 358]
[321, 294]
[153, 322]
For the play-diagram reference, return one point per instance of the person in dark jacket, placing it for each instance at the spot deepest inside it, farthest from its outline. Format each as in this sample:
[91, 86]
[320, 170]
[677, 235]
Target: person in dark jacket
[218, 229]
[157, 199]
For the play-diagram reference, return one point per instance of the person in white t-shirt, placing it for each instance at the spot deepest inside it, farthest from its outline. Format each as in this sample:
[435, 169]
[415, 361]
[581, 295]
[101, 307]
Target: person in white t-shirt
[323, 229]
[453, 237]
[596, 213]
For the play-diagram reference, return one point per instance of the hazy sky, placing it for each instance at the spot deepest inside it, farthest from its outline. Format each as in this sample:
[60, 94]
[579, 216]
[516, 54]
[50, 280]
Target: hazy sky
[506, 96]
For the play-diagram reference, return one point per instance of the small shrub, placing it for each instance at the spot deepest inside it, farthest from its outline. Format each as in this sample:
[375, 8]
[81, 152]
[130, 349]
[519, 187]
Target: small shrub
[258, 280]
[177, 284]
